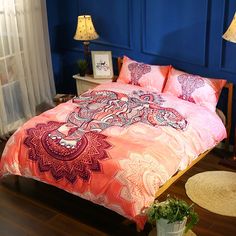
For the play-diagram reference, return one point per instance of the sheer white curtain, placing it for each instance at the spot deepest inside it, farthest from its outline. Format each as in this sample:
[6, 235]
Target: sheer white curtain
[26, 78]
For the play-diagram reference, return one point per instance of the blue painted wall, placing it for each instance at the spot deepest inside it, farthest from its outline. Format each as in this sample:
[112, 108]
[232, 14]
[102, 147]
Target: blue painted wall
[184, 33]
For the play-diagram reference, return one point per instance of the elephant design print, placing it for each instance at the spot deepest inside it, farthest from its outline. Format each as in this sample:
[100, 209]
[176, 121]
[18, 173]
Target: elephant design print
[75, 148]
[137, 70]
[189, 83]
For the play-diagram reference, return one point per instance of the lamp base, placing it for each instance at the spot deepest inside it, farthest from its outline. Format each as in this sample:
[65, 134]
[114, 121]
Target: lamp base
[86, 48]
[87, 57]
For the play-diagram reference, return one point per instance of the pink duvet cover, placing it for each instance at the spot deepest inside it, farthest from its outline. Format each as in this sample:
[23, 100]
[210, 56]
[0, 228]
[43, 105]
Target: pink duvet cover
[114, 145]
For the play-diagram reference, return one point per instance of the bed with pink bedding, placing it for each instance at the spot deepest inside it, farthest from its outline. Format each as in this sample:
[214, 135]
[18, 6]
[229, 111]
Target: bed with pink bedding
[114, 145]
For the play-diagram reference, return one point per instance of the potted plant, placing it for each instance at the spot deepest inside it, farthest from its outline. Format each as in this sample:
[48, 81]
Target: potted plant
[82, 65]
[171, 216]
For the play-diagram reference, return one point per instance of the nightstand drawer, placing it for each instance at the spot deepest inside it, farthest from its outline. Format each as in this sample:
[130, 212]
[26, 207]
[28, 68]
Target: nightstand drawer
[87, 82]
[83, 86]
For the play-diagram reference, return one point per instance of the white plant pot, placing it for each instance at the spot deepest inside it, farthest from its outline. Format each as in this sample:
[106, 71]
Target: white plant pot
[171, 229]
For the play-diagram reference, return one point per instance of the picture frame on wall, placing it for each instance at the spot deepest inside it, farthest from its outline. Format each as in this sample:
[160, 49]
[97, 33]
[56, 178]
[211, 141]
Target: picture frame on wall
[102, 64]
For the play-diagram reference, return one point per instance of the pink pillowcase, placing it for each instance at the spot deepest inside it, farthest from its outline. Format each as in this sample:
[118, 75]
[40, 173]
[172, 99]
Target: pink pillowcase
[144, 75]
[194, 88]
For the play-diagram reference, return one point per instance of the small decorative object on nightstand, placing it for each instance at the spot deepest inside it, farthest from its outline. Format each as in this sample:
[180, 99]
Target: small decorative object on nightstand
[102, 64]
[88, 82]
[82, 66]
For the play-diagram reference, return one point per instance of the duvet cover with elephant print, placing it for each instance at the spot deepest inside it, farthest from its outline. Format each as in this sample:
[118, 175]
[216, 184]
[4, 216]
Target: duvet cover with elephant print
[114, 145]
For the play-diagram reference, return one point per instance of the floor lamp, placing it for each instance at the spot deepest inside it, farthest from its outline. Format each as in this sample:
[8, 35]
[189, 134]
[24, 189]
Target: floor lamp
[85, 32]
[230, 35]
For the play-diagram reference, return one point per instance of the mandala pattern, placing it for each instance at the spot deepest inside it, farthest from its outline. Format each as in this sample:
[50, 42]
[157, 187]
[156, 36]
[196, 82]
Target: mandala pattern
[137, 70]
[149, 97]
[76, 147]
[137, 171]
[189, 84]
[51, 149]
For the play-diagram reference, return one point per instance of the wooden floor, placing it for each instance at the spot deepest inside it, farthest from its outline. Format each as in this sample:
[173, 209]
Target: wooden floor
[32, 208]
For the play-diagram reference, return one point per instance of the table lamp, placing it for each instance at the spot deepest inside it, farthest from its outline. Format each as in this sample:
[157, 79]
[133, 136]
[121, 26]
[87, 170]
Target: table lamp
[230, 35]
[85, 32]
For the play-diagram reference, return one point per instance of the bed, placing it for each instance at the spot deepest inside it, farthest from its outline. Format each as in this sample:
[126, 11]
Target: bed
[118, 145]
[225, 118]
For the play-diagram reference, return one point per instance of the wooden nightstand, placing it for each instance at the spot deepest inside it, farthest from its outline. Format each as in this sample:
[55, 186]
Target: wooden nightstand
[87, 82]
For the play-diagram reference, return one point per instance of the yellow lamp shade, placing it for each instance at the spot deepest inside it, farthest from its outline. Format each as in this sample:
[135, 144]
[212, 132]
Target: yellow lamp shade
[230, 34]
[85, 30]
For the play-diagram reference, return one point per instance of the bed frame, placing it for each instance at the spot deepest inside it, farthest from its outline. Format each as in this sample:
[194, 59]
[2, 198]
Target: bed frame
[229, 87]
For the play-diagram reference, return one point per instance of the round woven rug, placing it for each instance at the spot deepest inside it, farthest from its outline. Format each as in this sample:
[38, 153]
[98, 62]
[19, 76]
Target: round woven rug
[154, 233]
[214, 191]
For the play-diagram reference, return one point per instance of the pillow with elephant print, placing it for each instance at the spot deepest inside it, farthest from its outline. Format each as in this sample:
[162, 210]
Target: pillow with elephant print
[194, 88]
[144, 75]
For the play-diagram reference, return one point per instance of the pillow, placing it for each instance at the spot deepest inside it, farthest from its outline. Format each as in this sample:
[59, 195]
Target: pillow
[144, 75]
[194, 88]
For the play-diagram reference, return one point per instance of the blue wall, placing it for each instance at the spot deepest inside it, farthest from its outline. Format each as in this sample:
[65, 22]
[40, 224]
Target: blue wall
[184, 33]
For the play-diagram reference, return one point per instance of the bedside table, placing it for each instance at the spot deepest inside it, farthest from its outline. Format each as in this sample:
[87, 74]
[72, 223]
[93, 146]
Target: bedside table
[84, 83]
